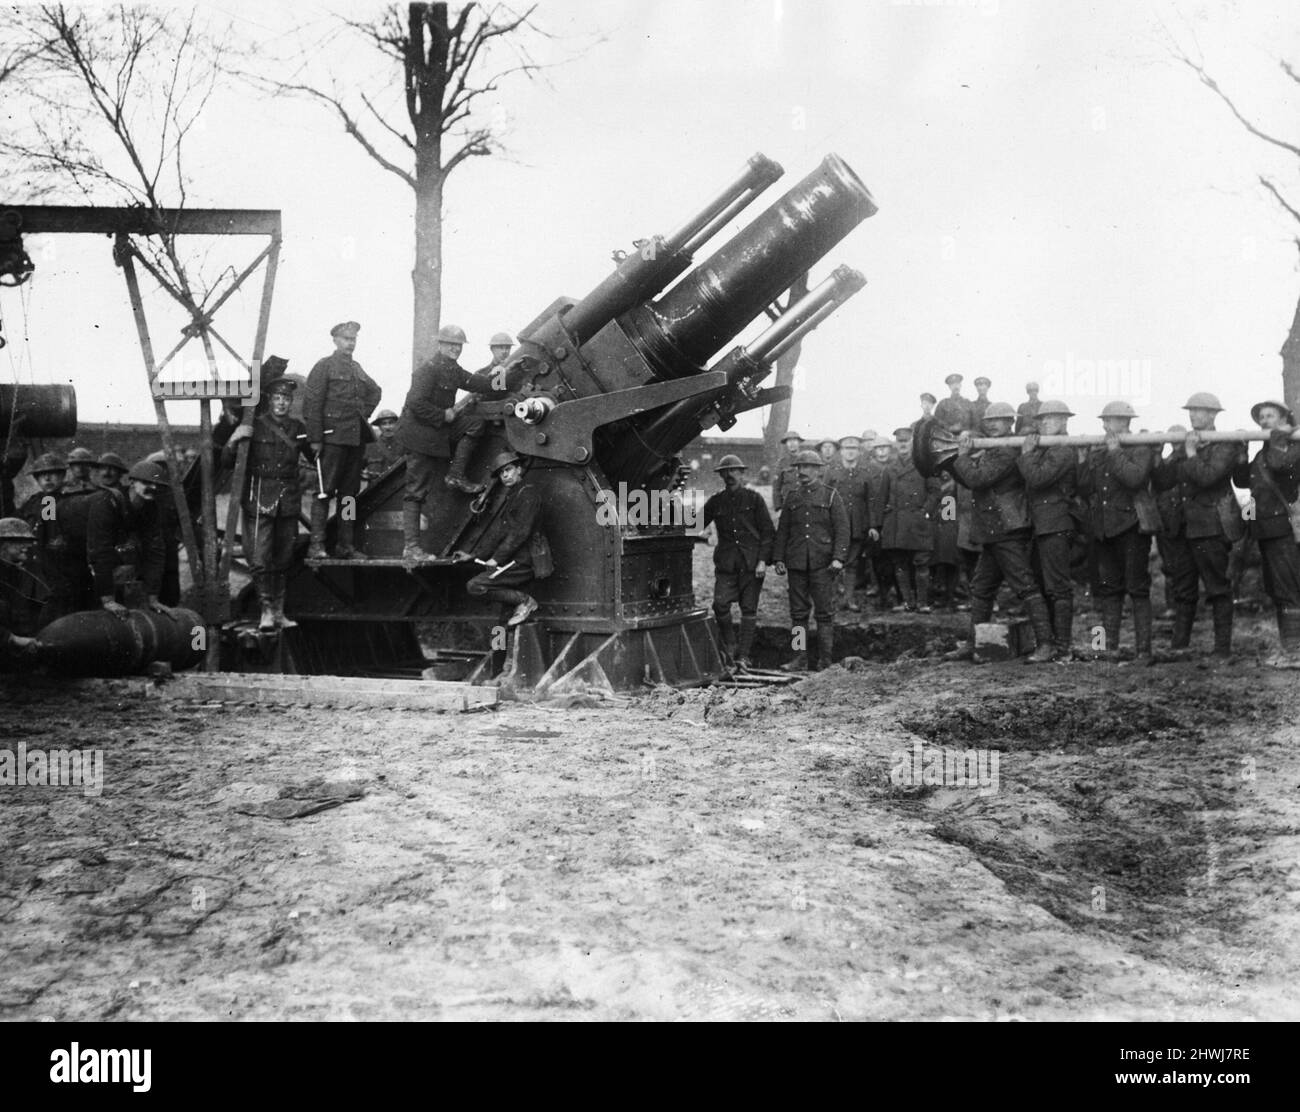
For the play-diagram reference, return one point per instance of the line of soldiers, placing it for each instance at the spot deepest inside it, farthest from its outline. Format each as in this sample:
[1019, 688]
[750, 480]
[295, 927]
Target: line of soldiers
[1023, 511]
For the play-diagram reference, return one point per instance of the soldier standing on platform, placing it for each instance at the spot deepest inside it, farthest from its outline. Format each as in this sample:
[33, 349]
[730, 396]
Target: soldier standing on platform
[1049, 475]
[812, 543]
[848, 475]
[740, 557]
[1274, 480]
[1001, 525]
[1115, 480]
[337, 404]
[954, 412]
[1027, 411]
[981, 403]
[787, 476]
[271, 496]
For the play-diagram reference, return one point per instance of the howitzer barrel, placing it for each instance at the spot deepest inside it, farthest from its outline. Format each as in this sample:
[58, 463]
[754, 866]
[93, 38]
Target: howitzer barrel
[44, 410]
[643, 274]
[715, 301]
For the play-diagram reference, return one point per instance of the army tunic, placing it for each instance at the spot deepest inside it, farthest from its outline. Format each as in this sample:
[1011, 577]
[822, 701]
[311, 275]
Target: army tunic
[22, 607]
[786, 478]
[745, 537]
[1000, 524]
[813, 530]
[1273, 477]
[1182, 586]
[1111, 481]
[905, 511]
[424, 431]
[1211, 517]
[1049, 475]
[272, 497]
[120, 534]
[509, 536]
[339, 397]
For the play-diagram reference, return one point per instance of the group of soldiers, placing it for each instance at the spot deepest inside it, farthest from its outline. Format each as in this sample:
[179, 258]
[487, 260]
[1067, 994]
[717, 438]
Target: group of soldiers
[96, 533]
[1019, 517]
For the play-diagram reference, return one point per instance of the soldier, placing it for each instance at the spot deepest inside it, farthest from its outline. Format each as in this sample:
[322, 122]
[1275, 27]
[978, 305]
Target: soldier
[22, 595]
[1274, 480]
[812, 543]
[928, 403]
[124, 539]
[1001, 526]
[385, 452]
[110, 471]
[904, 520]
[493, 384]
[1211, 517]
[1115, 481]
[1049, 475]
[955, 411]
[337, 404]
[740, 557]
[1181, 587]
[787, 477]
[879, 563]
[15, 457]
[432, 428]
[945, 557]
[42, 514]
[514, 546]
[1027, 411]
[271, 497]
[981, 403]
[848, 475]
[829, 450]
[80, 462]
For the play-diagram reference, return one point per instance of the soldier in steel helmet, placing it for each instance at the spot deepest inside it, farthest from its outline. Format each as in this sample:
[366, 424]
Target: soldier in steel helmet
[125, 540]
[1211, 521]
[271, 496]
[337, 402]
[1273, 477]
[110, 471]
[22, 595]
[43, 513]
[740, 557]
[787, 476]
[385, 452]
[1050, 482]
[812, 543]
[81, 461]
[1122, 517]
[434, 428]
[513, 547]
[1001, 525]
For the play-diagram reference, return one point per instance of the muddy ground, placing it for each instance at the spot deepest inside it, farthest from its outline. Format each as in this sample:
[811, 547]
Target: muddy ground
[706, 854]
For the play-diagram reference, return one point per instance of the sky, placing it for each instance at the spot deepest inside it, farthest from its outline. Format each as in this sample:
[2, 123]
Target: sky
[1060, 200]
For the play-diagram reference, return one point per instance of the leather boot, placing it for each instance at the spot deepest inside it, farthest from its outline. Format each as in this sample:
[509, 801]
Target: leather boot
[344, 548]
[411, 548]
[798, 664]
[825, 644]
[726, 638]
[456, 472]
[1112, 614]
[923, 590]
[262, 584]
[1288, 632]
[319, 515]
[1184, 618]
[1223, 626]
[748, 627]
[980, 612]
[1142, 630]
[277, 604]
[1063, 628]
[1041, 619]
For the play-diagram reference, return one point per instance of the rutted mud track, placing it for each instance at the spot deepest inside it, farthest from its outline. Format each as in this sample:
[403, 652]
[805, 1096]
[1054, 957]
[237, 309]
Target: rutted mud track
[689, 854]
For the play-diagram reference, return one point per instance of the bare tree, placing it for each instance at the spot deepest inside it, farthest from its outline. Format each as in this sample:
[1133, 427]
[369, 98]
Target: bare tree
[778, 418]
[1290, 350]
[448, 63]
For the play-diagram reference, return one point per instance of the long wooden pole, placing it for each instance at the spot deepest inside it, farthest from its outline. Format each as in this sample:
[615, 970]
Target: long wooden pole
[1084, 440]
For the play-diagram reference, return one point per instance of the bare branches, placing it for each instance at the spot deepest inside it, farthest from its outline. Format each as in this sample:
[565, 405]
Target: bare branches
[1210, 83]
[1277, 196]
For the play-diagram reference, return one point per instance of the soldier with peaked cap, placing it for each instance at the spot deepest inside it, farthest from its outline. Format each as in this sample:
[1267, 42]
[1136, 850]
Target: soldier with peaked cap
[386, 450]
[904, 517]
[1273, 477]
[786, 476]
[928, 402]
[1001, 525]
[848, 475]
[955, 411]
[740, 557]
[812, 543]
[981, 403]
[879, 564]
[22, 595]
[337, 402]
[1211, 521]
[1027, 411]
[1049, 475]
[514, 546]
[272, 495]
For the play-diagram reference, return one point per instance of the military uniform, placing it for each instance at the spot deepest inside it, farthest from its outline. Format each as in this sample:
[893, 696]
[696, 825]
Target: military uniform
[786, 478]
[1026, 414]
[851, 482]
[945, 555]
[1182, 589]
[874, 556]
[270, 501]
[385, 453]
[1212, 524]
[61, 564]
[424, 431]
[1049, 475]
[904, 516]
[22, 608]
[955, 412]
[1274, 480]
[1113, 482]
[516, 532]
[125, 546]
[812, 531]
[745, 537]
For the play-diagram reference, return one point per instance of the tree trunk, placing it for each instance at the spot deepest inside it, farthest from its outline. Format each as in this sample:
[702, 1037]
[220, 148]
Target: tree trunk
[1291, 365]
[426, 278]
[778, 420]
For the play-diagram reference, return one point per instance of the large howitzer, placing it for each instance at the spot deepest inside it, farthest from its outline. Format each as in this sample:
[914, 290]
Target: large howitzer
[604, 393]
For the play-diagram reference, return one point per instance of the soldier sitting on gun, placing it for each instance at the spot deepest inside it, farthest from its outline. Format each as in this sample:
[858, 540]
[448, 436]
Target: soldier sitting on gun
[271, 496]
[740, 558]
[433, 428]
[513, 549]
[124, 540]
[22, 595]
